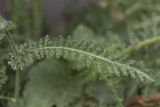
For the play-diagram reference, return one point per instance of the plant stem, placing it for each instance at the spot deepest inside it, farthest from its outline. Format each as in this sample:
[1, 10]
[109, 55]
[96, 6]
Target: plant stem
[11, 42]
[17, 88]
[17, 75]
[37, 16]
[142, 44]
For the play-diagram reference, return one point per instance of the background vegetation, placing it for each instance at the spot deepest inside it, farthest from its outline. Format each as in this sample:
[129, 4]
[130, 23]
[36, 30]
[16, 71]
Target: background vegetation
[101, 60]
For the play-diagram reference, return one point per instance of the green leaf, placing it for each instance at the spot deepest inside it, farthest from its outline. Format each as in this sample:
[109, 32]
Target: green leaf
[84, 33]
[6, 25]
[80, 53]
[3, 23]
[50, 83]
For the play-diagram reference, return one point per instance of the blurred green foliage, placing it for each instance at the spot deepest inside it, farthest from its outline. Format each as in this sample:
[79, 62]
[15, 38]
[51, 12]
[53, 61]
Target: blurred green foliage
[133, 26]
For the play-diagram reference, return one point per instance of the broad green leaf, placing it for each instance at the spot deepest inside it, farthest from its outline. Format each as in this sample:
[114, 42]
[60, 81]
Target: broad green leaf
[84, 33]
[51, 83]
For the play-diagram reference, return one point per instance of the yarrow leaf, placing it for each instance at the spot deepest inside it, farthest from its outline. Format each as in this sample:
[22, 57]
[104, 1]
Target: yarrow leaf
[84, 54]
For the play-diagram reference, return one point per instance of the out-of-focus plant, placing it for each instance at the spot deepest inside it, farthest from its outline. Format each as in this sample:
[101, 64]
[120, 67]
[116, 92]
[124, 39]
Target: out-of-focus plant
[86, 63]
[82, 73]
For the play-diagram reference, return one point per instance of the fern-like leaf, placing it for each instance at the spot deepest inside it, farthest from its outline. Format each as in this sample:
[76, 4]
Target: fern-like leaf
[5, 26]
[84, 54]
